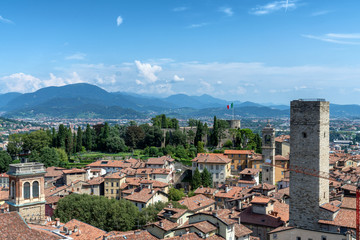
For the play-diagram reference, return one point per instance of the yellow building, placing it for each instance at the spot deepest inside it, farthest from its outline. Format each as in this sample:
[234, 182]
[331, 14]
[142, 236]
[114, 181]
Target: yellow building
[112, 185]
[239, 158]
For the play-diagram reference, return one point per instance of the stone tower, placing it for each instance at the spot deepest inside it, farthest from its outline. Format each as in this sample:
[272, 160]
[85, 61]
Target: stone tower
[26, 183]
[268, 153]
[309, 131]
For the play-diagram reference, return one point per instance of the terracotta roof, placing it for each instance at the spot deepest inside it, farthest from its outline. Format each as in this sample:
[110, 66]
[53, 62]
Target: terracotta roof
[246, 182]
[208, 158]
[4, 193]
[13, 227]
[344, 218]
[205, 190]
[233, 192]
[95, 181]
[132, 235]
[261, 200]
[164, 224]
[145, 171]
[110, 164]
[350, 188]
[143, 196]
[114, 175]
[74, 170]
[249, 217]
[348, 203]
[240, 152]
[173, 213]
[265, 186]
[189, 236]
[203, 226]
[84, 232]
[197, 202]
[281, 158]
[241, 230]
[159, 161]
[279, 229]
[4, 175]
[52, 199]
[330, 207]
[250, 171]
[54, 171]
[282, 138]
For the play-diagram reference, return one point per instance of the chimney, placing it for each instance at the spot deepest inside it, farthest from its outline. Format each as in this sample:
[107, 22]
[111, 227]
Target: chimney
[105, 237]
[69, 232]
[57, 222]
[239, 220]
[187, 230]
[227, 188]
[161, 224]
[137, 232]
[76, 229]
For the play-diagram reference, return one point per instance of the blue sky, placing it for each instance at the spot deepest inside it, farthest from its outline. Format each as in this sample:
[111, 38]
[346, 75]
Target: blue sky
[247, 50]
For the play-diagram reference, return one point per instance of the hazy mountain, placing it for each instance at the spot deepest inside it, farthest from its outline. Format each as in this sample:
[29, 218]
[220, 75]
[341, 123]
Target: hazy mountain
[7, 97]
[86, 100]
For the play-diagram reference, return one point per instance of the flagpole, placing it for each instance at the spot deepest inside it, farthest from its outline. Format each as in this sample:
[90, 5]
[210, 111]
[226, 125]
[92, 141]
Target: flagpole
[233, 111]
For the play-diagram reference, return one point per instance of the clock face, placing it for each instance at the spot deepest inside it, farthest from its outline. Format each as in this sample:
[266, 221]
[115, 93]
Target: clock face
[267, 139]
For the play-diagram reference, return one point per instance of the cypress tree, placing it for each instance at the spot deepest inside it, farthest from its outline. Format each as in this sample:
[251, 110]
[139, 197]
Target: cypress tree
[88, 138]
[206, 178]
[79, 140]
[196, 179]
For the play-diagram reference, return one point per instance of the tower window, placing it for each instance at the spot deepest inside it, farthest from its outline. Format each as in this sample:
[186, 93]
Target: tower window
[35, 189]
[12, 192]
[26, 190]
[304, 134]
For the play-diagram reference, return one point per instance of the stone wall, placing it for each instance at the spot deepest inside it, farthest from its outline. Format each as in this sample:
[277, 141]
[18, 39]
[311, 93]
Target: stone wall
[309, 129]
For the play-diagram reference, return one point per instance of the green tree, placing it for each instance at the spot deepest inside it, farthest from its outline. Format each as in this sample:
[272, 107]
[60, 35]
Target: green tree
[5, 160]
[175, 194]
[214, 137]
[63, 157]
[199, 132]
[36, 140]
[134, 136]
[196, 179]
[15, 144]
[106, 214]
[206, 178]
[200, 147]
[61, 135]
[79, 140]
[49, 157]
[88, 138]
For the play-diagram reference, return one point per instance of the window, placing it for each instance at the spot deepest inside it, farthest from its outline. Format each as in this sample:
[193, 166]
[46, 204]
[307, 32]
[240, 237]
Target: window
[26, 190]
[117, 191]
[217, 175]
[298, 238]
[323, 237]
[201, 166]
[112, 191]
[217, 167]
[112, 184]
[304, 134]
[211, 167]
[35, 189]
[12, 192]
[117, 184]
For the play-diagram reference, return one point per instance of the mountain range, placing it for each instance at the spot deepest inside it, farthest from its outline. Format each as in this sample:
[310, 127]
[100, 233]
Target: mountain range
[89, 101]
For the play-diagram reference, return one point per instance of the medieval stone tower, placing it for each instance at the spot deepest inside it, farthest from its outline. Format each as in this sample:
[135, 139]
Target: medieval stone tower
[27, 195]
[309, 130]
[268, 152]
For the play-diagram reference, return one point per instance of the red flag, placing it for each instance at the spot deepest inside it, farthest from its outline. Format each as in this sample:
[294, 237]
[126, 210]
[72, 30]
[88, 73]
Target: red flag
[228, 106]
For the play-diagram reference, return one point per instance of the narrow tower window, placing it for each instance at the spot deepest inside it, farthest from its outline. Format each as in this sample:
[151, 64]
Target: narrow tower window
[35, 189]
[304, 135]
[26, 190]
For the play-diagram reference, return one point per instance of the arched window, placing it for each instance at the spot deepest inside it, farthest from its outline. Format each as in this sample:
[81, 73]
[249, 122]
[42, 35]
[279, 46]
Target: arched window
[26, 190]
[12, 190]
[35, 188]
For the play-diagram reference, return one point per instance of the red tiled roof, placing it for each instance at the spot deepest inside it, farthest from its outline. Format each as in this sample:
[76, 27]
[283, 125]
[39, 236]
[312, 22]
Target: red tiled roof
[249, 217]
[85, 231]
[250, 171]
[233, 193]
[330, 207]
[159, 160]
[261, 200]
[4, 193]
[13, 227]
[241, 230]
[143, 196]
[205, 190]
[189, 236]
[197, 202]
[209, 158]
[110, 164]
[240, 152]
[164, 224]
[74, 170]
[131, 235]
[348, 203]
[175, 212]
[344, 218]
[52, 199]
[95, 181]
[118, 175]
[4, 175]
[203, 226]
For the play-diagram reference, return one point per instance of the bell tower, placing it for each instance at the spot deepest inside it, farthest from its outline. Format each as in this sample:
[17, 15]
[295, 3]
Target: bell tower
[26, 181]
[268, 152]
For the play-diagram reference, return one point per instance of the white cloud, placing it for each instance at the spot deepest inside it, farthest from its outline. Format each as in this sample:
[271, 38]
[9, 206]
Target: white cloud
[179, 9]
[320, 13]
[273, 7]
[119, 20]
[178, 79]
[228, 11]
[138, 82]
[339, 38]
[4, 20]
[197, 25]
[76, 56]
[148, 71]
[219, 82]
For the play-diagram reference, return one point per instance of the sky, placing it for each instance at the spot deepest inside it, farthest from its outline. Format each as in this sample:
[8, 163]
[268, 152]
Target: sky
[263, 51]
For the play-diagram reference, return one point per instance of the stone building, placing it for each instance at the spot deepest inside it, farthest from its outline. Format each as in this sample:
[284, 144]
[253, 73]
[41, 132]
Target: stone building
[268, 152]
[309, 127]
[27, 191]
